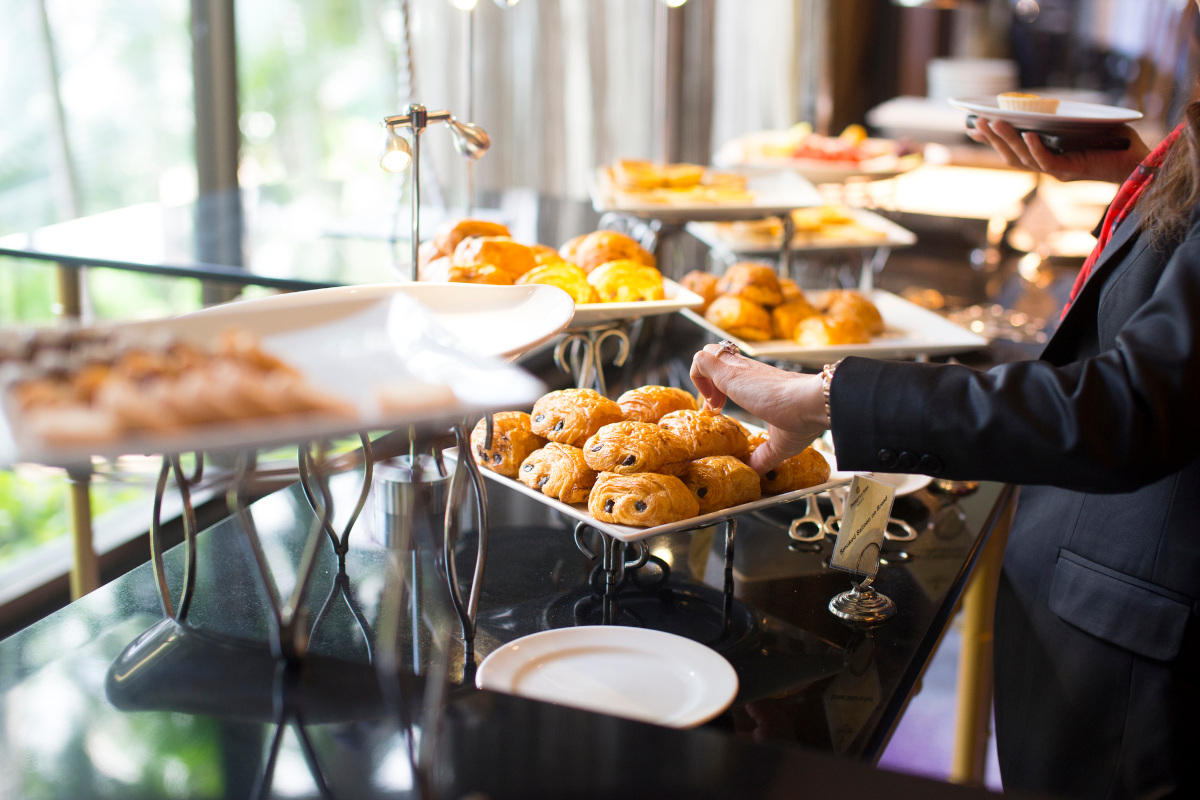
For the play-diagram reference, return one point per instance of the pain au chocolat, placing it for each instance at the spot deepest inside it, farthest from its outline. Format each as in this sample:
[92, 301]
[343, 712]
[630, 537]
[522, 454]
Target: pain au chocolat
[558, 471]
[570, 416]
[707, 433]
[720, 482]
[513, 440]
[652, 403]
[644, 499]
[627, 447]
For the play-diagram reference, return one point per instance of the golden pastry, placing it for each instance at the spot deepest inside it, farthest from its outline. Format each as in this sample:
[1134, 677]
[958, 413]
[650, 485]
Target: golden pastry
[600, 247]
[513, 257]
[645, 499]
[450, 234]
[478, 273]
[513, 440]
[703, 284]
[757, 283]
[634, 173]
[626, 281]
[570, 416]
[628, 447]
[786, 318]
[558, 471]
[566, 276]
[849, 303]
[652, 403]
[545, 254]
[427, 252]
[790, 290]
[720, 482]
[823, 331]
[740, 318]
[706, 433]
[808, 468]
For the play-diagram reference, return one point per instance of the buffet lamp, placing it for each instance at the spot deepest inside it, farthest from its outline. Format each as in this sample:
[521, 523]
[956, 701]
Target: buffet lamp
[470, 141]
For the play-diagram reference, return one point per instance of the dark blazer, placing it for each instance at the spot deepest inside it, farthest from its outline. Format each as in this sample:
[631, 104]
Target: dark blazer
[1097, 647]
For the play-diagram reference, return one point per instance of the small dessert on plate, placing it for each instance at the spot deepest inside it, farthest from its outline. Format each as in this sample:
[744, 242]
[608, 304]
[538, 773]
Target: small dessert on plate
[1026, 101]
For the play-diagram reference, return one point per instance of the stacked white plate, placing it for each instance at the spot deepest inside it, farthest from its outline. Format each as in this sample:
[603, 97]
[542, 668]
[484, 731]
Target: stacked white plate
[970, 77]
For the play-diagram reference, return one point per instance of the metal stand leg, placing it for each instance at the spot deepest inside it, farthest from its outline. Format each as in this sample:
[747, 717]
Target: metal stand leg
[466, 610]
[172, 464]
[974, 700]
[578, 353]
[85, 569]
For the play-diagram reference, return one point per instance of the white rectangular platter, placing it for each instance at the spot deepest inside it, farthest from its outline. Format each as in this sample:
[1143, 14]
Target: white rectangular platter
[677, 298]
[375, 347]
[629, 533]
[910, 331]
[720, 237]
[773, 194]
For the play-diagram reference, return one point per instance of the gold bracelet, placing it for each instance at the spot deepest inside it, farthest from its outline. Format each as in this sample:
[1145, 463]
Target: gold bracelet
[826, 382]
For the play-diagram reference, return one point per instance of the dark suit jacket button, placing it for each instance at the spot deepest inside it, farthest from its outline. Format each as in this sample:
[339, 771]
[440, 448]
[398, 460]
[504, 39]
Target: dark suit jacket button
[929, 465]
[887, 458]
[907, 461]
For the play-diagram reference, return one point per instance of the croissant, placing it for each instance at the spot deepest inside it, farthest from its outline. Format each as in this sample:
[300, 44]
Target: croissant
[626, 281]
[512, 441]
[706, 433]
[652, 403]
[721, 482]
[570, 416]
[558, 471]
[628, 447]
[644, 499]
[757, 283]
[741, 318]
[566, 276]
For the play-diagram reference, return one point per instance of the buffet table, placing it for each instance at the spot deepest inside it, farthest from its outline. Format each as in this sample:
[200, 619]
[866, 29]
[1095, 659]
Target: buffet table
[109, 698]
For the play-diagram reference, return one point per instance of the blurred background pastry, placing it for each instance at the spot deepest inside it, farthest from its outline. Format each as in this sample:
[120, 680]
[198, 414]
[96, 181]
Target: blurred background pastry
[740, 318]
[751, 281]
[566, 276]
[822, 330]
[599, 247]
[626, 281]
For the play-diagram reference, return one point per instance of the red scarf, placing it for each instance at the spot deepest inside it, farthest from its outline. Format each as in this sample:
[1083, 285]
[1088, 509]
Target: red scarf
[1127, 196]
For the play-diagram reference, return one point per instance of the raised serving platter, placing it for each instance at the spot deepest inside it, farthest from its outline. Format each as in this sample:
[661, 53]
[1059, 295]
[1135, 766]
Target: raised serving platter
[379, 349]
[872, 230]
[771, 194]
[909, 331]
[629, 533]
[748, 153]
[677, 298]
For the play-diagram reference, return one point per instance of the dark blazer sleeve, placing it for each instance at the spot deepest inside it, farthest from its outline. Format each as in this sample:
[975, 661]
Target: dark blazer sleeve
[1116, 419]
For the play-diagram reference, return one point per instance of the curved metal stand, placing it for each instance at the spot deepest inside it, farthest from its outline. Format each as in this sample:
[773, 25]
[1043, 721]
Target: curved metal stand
[340, 542]
[288, 713]
[289, 633]
[579, 353]
[184, 483]
[466, 611]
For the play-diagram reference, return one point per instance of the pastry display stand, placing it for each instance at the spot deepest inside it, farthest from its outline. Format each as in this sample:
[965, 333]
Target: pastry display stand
[290, 627]
[616, 567]
[580, 353]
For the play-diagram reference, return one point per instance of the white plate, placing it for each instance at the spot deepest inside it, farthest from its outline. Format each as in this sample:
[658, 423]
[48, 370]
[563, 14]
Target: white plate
[905, 484]
[360, 344]
[630, 533]
[499, 321]
[677, 298]
[745, 153]
[773, 194]
[636, 673]
[719, 236]
[910, 331]
[1071, 116]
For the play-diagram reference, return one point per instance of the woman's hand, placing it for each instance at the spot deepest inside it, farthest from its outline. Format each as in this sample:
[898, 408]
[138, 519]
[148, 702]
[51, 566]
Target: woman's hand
[791, 404]
[1027, 151]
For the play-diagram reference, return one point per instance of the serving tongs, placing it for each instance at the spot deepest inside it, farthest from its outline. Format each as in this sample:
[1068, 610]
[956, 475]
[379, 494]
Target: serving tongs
[813, 525]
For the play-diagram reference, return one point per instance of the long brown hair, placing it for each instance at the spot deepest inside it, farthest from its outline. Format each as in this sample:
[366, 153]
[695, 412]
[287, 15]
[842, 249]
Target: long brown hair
[1175, 191]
